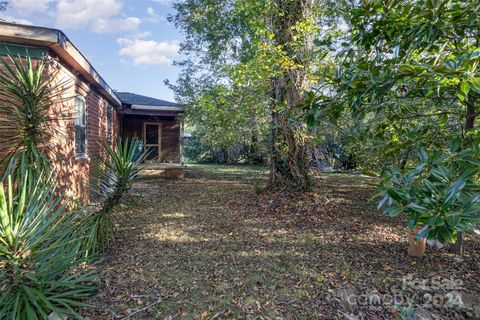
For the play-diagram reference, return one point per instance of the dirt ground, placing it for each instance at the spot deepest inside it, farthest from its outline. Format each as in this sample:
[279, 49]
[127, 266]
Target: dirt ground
[216, 246]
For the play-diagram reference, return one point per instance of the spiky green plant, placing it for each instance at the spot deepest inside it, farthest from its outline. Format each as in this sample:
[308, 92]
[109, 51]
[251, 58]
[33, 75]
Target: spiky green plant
[41, 265]
[28, 91]
[118, 170]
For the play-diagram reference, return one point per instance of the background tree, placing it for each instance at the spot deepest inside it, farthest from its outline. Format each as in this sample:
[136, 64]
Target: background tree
[3, 5]
[261, 52]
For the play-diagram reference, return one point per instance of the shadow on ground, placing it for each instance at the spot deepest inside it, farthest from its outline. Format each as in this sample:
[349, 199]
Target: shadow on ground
[209, 247]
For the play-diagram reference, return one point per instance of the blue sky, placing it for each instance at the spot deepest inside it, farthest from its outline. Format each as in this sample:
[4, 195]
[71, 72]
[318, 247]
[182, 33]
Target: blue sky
[129, 42]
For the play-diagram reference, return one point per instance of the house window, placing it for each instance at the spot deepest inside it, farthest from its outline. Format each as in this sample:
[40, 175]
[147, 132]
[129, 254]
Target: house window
[109, 123]
[80, 127]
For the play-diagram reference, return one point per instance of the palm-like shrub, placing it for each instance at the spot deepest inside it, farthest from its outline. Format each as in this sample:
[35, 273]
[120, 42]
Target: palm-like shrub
[41, 269]
[441, 194]
[118, 170]
[28, 91]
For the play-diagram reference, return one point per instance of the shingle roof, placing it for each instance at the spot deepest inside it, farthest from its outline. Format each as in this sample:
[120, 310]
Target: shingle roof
[132, 98]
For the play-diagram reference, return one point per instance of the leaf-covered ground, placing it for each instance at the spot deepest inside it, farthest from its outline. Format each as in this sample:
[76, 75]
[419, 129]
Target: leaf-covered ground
[210, 247]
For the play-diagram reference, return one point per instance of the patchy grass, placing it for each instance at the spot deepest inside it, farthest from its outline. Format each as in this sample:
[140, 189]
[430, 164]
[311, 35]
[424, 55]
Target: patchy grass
[210, 247]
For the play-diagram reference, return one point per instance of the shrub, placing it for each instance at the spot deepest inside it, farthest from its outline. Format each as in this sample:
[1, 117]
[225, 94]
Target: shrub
[117, 172]
[27, 94]
[41, 269]
[441, 193]
[199, 150]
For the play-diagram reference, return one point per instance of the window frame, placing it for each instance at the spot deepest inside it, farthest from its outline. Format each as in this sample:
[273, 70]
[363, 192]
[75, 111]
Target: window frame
[82, 155]
[109, 127]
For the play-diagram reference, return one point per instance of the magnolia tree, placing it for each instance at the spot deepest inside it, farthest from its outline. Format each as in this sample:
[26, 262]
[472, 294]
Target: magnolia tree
[405, 66]
[440, 194]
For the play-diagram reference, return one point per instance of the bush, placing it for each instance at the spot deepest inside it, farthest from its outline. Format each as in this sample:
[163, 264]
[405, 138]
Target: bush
[117, 172]
[28, 90]
[198, 151]
[441, 193]
[41, 269]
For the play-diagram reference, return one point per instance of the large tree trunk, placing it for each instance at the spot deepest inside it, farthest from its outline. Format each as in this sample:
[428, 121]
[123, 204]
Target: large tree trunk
[469, 124]
[289, 156]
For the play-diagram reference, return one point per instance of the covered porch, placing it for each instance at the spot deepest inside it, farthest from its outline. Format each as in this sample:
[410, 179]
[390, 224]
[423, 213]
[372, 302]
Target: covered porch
[160, 136]
[157, 124]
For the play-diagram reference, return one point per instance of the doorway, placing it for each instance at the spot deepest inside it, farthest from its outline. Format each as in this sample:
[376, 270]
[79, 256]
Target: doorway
[152, 140]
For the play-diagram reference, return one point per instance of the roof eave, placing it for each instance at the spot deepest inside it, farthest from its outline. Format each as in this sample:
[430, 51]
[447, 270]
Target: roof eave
[159, 108]
[62, 46]
[153, 113]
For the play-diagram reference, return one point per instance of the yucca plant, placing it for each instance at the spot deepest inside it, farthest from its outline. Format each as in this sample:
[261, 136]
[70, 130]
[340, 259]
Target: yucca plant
[41, 265]
[28, 91]
[118, 170]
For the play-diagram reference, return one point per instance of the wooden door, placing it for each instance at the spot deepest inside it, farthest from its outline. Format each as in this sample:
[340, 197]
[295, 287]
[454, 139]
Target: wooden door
[152, 140]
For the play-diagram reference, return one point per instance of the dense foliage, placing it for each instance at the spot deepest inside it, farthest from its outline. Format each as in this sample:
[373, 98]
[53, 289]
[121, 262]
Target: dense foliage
[41, 264]
[417, 60]
[383, 79]
[407, 71]
[200, 149]
[248, 64]
[441, 193]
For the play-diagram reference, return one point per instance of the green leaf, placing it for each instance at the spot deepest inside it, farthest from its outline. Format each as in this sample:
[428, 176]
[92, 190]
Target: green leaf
[394, 211]
[453, 220]
[441, 173]
[423, 233]
[453, 192]
[48, 239]
[463, 90]
[456, 144]
[475, 84]
[418, 208]
[397, 194]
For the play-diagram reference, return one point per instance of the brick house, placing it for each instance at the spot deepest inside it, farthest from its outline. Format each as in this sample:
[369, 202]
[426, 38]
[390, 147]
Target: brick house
[99, 113]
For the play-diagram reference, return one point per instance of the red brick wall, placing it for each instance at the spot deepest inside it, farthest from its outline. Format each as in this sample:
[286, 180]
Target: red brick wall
[75, 173]
[170, 151]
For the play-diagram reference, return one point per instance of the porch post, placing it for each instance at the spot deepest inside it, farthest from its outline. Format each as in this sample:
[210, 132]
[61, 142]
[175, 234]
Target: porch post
[181, 141]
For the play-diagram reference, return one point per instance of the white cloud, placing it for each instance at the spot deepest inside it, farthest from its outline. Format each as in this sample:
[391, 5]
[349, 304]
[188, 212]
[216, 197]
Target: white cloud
[26, 7]
[163, 2]
[141, 34]
[153, 16]
[98, 15]
[112, 25]
[148, 52]
[151, 12]
[16, 20]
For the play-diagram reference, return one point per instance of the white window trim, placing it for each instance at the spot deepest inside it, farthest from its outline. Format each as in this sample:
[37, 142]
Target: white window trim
[84, 155]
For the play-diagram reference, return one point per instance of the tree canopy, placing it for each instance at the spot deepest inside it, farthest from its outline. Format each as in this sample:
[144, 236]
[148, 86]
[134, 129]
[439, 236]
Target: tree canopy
[357, 84]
